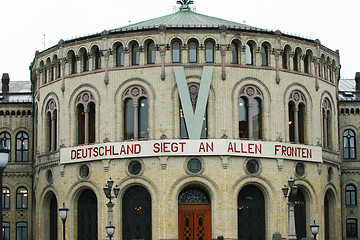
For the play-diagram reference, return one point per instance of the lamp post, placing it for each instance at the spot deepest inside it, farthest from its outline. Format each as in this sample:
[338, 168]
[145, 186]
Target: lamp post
[63, 215]
[110, 230]
[4, 158]
[314, 229]
[291, 203]
[107, 190]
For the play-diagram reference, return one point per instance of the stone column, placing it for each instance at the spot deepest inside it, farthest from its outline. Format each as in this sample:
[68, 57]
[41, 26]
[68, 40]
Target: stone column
[292, 229]
[316, 65]
[277, 65]
[162, 54]
[296, 123]
[110, 206]
[223, 54]
[250, 125]
[63, 64]
[106, 58]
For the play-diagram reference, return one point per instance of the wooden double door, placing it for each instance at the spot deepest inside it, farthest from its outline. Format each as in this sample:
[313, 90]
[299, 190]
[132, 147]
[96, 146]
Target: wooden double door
[194, 221]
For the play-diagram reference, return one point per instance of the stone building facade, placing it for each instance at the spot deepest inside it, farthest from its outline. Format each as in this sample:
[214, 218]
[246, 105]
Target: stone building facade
[199, 122]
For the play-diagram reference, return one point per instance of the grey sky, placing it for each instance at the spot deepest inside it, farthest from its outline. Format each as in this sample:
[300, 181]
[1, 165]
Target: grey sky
[23, 23]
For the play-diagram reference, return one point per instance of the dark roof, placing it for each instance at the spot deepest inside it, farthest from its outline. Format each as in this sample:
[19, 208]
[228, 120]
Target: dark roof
[185, 19]
[347, 91]
[19, 92]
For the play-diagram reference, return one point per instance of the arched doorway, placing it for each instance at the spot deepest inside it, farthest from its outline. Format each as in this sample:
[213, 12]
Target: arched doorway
[136, 214]
[194, 215]
[300, 215]
[53, 218]
[251, 213]
[329, 215]
[87, 222]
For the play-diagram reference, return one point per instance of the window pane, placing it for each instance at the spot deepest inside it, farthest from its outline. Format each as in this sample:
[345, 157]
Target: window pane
[243, 123]
[135, 54]
[209, 52]
[151, 53]
[129, 119]
[264, 61]
[6, 232]
[120, 56]
[248, 54]
[176, 52]
[143, 118]
[234, 53]
[256, 119]
[192, 52]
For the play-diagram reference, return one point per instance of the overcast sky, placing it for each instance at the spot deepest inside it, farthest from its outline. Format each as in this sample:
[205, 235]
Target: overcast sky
[23, 23]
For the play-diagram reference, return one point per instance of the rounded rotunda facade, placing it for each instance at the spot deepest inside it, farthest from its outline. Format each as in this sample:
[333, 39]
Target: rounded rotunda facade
[198, 120]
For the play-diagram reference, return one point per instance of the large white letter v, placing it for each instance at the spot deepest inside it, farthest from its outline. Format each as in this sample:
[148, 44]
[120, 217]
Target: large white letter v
[194, 121]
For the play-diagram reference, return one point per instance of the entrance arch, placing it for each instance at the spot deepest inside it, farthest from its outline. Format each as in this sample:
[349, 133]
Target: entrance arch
[53, 218]
[300, 215]
[136, 214]
[251, 213]
[329, 215]
[87, 220]
[194, 215]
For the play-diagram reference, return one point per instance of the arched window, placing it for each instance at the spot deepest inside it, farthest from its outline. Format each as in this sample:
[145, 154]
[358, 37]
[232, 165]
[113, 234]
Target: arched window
[136, 113]
[49, 71]
[22, 147]
[250, 112]
[120, 55]
[97, 57]
[194, 92]
[176, 51]
[296, 59]
[264, 51]
[297, 105]
[6, 231]
[136, 214]
[21, 198]
[307, 61]
[349, 144]
[84, 60]
[5, 198]
[234, 53]
[300, 215]
[249, 54]
[5, 141]
[150, 53]
[251, 213]
[286, 57]
[53, 218]
[51, 121]
[87, 219]
[85, 107]
[209, 51]
[72, 61]
[350, 195]
[351, 228]
[326, 115]
[135, 54]
[193, 50]
[21, 231]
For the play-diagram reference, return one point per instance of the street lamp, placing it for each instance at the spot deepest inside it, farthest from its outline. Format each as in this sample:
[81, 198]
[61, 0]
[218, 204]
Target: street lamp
[110, 230]
[314, 229]
[63, 215]
[4, 158]
[291, 203]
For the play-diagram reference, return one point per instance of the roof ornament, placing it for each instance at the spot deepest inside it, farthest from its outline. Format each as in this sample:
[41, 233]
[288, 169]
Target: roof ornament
[185, 5]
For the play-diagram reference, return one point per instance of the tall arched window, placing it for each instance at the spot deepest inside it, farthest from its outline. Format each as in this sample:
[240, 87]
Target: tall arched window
[286, 57]
[250, 112]
[136, 117]
[350, 195]
[349, 144]
[51, 120]
[307, 61]
[84, 60]
[264, 51]
[194, 92]
[22, 147]
[21, 231]
[96, 57]
[296, 59]
[136, 214]
[5, 141]
[150, 51]
[21, 198]
[209, 51]
[234, 53]
[193, 50]
[119, 55]
[326, 116]
[251, 213]
[5, 198]
[249, 54]
[87, 219]
[135, 54]
[351, 228]
[85, 107]
[72, 60]
[176, 51]
[297, 103]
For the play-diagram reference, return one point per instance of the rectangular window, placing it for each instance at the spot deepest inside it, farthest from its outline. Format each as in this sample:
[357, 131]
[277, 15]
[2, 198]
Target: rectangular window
[21, 231]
